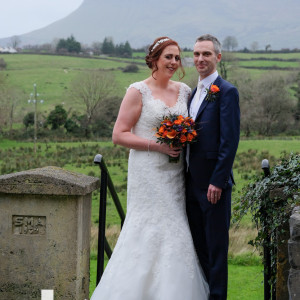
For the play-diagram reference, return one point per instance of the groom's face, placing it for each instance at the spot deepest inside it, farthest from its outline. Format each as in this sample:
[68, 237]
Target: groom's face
[205, 58]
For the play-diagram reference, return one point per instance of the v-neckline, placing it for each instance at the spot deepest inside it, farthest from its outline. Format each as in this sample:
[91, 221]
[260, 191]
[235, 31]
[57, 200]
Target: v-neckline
[160, 100]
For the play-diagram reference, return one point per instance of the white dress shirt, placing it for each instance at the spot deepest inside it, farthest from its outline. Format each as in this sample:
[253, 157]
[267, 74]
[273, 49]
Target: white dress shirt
[201, 92]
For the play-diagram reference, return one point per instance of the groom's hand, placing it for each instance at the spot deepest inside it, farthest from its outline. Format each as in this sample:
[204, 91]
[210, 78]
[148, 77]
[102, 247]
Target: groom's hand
[213, 194]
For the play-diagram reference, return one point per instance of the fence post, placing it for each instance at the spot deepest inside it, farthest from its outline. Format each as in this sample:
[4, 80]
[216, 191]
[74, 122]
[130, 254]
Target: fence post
[102, 215]
[267, 257]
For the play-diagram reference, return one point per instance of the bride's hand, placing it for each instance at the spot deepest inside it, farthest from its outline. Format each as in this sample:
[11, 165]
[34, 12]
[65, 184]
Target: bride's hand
[164, 148]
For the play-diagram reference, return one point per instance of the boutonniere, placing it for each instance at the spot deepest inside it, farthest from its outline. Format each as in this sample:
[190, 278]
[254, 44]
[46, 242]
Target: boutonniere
[212, 93]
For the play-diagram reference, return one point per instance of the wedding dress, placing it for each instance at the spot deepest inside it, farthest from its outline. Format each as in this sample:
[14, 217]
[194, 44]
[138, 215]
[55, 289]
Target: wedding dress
[154, 258]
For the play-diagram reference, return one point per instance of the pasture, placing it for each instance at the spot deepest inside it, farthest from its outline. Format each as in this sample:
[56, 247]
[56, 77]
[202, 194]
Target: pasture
[53, 74]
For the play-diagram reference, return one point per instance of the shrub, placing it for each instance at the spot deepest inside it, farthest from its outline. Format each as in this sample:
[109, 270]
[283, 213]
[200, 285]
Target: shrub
[269, 213]
[2, 64]
[132, 68]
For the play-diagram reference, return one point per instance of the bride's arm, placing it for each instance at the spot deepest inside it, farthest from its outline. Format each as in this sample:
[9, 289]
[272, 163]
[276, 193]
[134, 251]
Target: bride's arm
[129, 114]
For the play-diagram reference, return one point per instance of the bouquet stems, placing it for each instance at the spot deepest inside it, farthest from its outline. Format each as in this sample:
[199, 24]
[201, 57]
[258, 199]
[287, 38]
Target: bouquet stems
[173, 159]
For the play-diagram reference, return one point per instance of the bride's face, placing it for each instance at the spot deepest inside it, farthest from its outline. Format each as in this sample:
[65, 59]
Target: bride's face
[169, 61]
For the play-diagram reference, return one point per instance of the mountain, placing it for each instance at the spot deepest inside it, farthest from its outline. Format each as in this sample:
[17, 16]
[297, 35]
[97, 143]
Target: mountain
[273, 22]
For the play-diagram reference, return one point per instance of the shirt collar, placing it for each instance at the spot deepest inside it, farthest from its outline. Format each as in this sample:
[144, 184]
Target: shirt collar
[207, 81]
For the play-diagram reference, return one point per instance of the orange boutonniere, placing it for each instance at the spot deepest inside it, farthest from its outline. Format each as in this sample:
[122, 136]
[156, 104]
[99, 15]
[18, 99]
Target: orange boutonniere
[212, 93]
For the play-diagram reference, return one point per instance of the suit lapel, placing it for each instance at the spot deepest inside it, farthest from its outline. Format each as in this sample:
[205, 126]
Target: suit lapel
[204, 102]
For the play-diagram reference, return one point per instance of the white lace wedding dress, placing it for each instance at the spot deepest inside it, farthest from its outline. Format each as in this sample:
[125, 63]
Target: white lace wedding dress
[154, 258]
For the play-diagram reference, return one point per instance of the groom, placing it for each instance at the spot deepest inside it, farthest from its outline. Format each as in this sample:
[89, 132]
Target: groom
[214, 105]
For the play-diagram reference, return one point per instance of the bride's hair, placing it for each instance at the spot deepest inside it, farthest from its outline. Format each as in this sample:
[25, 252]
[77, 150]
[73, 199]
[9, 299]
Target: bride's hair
[155, 51]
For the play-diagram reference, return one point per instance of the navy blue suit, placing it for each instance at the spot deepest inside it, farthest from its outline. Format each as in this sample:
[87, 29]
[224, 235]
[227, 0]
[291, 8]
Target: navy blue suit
[210, 162]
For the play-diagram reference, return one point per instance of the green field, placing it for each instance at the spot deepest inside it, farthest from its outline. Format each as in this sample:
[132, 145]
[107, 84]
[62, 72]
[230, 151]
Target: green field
[53, 74]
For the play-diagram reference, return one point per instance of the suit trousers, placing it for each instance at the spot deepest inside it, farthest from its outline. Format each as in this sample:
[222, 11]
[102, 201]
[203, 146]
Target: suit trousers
[209, 224]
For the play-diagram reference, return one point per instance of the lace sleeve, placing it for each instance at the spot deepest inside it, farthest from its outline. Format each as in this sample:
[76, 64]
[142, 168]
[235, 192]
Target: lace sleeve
[185, 91]
[142, 88]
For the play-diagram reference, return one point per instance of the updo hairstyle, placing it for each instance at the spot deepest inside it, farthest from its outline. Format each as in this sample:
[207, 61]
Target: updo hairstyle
[155, 51]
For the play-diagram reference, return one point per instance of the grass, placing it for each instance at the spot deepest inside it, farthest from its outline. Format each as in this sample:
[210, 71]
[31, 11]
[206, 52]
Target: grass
[283, 56]
[244, 282]
[244, 265]
[269, 64]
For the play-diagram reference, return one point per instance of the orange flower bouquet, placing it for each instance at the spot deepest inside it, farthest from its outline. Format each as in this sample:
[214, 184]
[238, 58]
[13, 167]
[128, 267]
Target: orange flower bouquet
[176, 131]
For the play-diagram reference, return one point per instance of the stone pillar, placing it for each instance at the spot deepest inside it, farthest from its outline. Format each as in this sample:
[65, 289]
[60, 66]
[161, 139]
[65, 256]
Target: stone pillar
[282, 267]
[45, 219]
[294, 255]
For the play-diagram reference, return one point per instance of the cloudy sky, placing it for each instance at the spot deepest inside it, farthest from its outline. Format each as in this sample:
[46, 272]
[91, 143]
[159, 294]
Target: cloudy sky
[22, 16]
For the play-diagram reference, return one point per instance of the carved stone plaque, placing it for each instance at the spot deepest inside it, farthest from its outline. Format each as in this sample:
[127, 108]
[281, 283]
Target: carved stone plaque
[29, 225]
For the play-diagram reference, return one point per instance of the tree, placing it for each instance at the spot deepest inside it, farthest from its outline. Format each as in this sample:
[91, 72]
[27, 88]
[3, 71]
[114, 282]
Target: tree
[108, 46]
[28, 120]
[268, 48]
[248, 104]
[105, 116]
[230, 43]
[266, 105]
[254, 46]
[9, 98]
[69, 45]
[275, 104]
[227, 63]
[123, 50]
[297, 94]
[97, 46]
[57, 117]
[93, 88]
[15, 41]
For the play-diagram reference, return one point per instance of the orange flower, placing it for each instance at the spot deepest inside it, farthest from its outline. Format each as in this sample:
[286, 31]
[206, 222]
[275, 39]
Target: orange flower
[190, 137]
[171, 134]
[194, 132]
[165, 134]
[161, 129]
[177, 122]
[183, 139]
[183, 130]
[214, 89]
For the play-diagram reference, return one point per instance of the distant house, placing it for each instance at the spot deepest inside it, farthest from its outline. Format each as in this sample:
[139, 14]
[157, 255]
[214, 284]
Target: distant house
[8, 50]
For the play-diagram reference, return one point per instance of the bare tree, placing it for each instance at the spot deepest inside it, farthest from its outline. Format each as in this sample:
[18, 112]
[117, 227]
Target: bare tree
[9, 98]
[266, 105]
[93, 88]
[15, 41]
[230, 43]
[254, 46]
[248, 103]
[227, 64]
[268, 48]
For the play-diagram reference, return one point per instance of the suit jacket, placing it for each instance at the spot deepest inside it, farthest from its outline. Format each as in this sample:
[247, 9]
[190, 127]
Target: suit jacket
[218, 127]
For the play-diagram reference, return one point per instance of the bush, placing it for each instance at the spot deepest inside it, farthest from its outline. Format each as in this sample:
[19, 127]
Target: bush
[269, 213]
[2, 64]
[132, 68]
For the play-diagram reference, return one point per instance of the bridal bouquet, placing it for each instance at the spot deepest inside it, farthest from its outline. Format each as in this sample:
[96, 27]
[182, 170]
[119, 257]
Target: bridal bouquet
[176, 131]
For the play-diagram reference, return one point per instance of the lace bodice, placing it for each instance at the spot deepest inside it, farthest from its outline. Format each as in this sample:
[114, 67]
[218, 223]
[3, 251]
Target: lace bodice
[153, 109]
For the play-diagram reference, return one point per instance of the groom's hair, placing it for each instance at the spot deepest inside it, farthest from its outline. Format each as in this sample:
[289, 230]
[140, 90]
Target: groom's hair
[213, 39]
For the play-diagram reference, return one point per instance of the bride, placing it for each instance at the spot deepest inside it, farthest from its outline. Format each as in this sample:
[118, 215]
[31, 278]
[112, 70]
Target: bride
[154, 258]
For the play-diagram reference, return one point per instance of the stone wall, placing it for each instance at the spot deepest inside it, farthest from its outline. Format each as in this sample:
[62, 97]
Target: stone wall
[294, 255]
